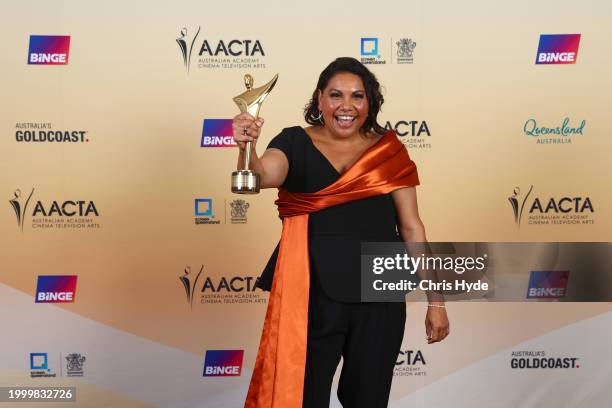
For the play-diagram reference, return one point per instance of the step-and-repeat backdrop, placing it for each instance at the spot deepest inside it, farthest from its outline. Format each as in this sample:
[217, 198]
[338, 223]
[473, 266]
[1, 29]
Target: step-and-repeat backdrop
[127, 267]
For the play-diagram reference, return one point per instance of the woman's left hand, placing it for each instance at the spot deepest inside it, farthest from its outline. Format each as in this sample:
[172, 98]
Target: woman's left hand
[436, 324]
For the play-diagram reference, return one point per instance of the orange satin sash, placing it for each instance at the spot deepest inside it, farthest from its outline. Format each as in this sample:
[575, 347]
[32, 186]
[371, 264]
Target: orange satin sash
[278, 376]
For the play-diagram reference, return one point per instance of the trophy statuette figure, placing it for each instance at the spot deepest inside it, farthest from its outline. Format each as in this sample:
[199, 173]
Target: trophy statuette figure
[246, 181]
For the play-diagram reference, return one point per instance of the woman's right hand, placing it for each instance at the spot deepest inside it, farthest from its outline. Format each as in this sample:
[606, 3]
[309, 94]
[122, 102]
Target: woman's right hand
[253, 126]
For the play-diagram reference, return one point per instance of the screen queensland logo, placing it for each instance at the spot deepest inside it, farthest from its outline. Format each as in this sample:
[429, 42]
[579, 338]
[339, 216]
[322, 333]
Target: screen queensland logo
[40, 367]
[203, 211]
[49, 49]
[223, 363]
[56, 288]
[44, 214]
[558, 49]
[205, 52]
[561, 209]
[217, 133]
[370, 51]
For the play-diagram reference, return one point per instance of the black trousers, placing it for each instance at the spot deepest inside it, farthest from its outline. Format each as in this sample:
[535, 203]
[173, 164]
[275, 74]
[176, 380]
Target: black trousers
[367, 336]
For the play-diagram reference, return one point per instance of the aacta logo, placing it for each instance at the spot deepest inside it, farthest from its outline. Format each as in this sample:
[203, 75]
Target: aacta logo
[409, 128]
[222, 48]
[56, 288]
[55, 211]
[553, 210]
[49, 49]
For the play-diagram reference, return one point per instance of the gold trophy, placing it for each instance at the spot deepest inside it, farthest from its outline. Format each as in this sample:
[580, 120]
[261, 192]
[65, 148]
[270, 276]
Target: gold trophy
[246, 181]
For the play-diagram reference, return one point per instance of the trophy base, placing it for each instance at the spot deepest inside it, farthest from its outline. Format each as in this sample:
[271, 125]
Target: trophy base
[245, 182]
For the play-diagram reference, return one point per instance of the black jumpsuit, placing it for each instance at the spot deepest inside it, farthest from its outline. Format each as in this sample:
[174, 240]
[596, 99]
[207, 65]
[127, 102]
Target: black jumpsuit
[368, 336]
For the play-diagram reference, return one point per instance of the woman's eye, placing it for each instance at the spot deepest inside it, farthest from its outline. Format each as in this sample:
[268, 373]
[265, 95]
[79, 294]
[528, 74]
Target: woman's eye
[335, 95]
[358, 96]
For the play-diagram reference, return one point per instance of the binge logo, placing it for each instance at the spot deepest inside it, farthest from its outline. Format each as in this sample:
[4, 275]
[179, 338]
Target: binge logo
[369, 47]
[49, 49]
[558, 49]
[547, 284]
[217, 133]
[56, 288]
[223, 363]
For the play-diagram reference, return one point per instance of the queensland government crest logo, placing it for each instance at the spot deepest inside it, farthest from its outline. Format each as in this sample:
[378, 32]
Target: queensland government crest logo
[405, 49]
[74, 365]
[238, 211]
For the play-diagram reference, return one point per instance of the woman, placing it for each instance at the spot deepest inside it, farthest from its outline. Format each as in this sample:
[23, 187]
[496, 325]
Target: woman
[343, 180]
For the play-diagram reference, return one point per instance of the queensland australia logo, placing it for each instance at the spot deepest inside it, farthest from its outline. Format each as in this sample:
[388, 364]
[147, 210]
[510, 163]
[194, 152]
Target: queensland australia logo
[540, 359]
[235, 53]
[223, 363]
[547, 284]
[556, 210]
[39, 132]
[56, 288]
[415, 134]
[561, 133]
[558, 49]
[207, 289]
[73, 215]
[49, 49]
[217, 133]
[74, 364]
[410, 363]
[39, 365]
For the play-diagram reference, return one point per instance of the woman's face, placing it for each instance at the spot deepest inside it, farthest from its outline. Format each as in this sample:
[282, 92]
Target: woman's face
[344, 104]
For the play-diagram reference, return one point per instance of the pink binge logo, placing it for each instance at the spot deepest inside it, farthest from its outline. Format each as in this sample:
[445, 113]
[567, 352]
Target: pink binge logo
[56, 288]
[49, 49]
[558, 49]
[223, 363]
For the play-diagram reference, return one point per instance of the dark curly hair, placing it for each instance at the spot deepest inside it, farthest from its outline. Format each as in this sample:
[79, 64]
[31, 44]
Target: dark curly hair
[372, 89]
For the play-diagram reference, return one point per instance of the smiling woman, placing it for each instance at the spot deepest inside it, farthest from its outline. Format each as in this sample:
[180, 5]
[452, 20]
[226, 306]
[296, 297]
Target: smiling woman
[342, 181]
